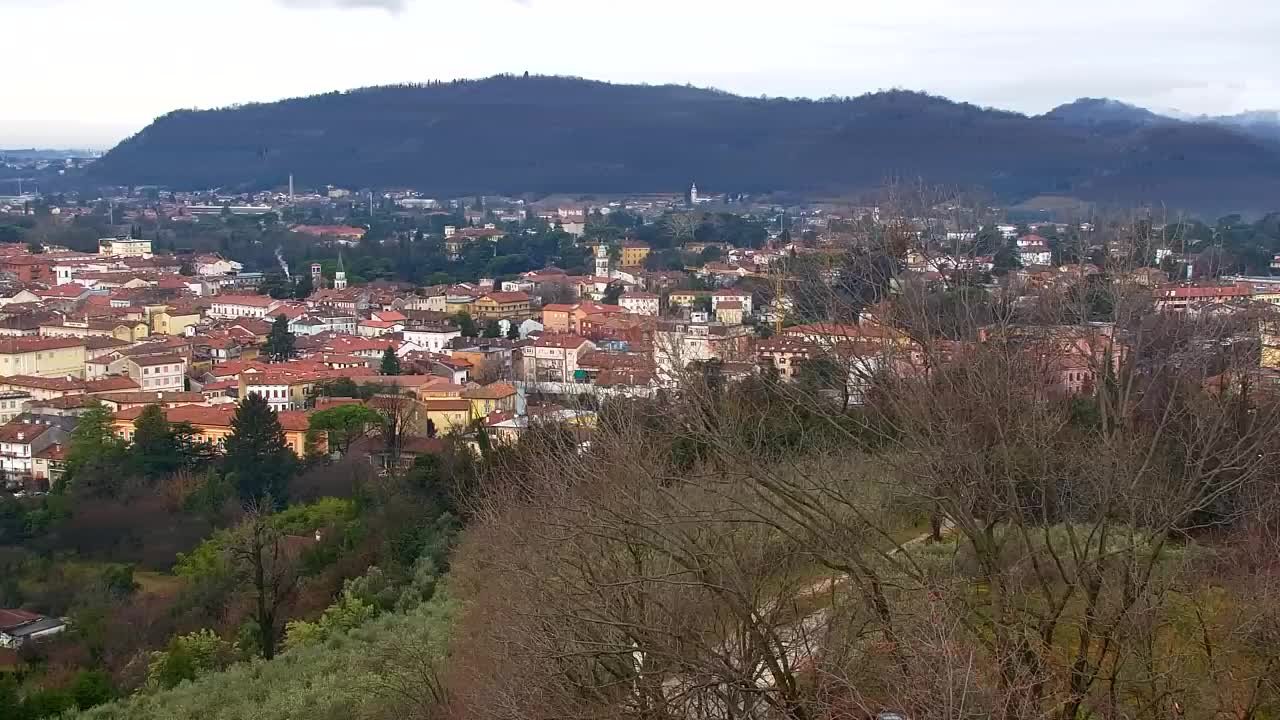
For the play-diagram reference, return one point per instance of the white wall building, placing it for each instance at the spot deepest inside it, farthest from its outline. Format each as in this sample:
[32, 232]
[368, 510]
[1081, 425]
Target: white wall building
[124, 247]
[641, 303]
[161, 373]
[432, 339]
[233, 307]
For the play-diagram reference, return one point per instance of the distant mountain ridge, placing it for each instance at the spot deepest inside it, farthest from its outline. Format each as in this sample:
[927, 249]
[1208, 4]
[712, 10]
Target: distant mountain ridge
[1105, 112]
[511, 134]
[1114, 114]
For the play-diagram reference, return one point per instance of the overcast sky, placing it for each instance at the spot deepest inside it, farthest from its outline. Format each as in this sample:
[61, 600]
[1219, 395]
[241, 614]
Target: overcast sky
[90, 72]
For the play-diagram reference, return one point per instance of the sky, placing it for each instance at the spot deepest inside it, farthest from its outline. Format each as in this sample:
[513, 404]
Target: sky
[87, 73]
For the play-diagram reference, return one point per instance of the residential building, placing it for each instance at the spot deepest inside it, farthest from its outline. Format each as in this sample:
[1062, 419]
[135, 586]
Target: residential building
[513, 306]
[12, 404]
[491, 398]
[447, 415]
[118, 401]
[50, 464]
[231, 307]
[736, 296]
[641, 303]
[157, 373]
[729, 313]
[634, 253]
[1181, 298]
[1034, 254]
[41, 388]
[124, 247]
[561, 318]
[42, 357]
[432, 338]
[22, 438]
[174, 320]
[213, 425]
[488, 360]
[553, 358]
[19, 627]
[214, 266]
[126, 330]
[678, 343]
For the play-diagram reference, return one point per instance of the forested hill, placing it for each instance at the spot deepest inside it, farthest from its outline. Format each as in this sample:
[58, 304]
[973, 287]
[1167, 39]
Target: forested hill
[529, 134]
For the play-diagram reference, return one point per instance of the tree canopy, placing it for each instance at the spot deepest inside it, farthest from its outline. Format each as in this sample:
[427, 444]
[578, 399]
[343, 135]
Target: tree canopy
[258, 460]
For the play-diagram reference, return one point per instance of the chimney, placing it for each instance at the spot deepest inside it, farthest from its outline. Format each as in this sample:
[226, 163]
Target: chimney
[22, 436]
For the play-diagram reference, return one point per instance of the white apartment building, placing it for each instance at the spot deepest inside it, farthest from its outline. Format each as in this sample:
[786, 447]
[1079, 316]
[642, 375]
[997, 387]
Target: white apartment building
[233, 307]
[124, 247]
[432, 339]
[158, 372]
[737, 296]
[640, 303]
[554, 358]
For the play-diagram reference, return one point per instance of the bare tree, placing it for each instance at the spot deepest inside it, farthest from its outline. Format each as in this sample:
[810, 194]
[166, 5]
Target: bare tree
[267, 562]
[1020, 504]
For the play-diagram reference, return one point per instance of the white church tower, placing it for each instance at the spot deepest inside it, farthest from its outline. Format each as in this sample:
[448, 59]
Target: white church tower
[693, 194]
[340, 277]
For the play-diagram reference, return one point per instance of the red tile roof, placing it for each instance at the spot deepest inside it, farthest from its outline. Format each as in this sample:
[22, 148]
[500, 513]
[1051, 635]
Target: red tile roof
[151, 360]
[493, 391]
[43, 383]
[446, 404]
[10, 346]
[505, 298]
[219, 416]
[113, 383]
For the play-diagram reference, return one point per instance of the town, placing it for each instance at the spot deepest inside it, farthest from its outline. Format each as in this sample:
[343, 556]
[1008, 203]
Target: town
[384, 336]
[131, 325]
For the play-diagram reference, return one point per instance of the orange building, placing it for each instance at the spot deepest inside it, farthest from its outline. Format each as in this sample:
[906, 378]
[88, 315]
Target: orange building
[213, 424]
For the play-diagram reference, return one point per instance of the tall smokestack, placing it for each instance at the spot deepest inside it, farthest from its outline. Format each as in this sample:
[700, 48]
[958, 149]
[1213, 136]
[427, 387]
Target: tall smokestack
[290, 188]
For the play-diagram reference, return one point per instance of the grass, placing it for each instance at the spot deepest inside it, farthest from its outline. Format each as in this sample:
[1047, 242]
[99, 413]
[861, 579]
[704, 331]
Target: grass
[157, 583]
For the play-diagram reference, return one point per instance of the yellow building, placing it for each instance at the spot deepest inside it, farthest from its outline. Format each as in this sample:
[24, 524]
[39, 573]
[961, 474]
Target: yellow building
[495, 397]
[634, 253]
[447, 414]
[455, 305]
[42, 356]
[729, 313]
[124, 247]
[173, 322]
[513, 306]
[126, 330]
[1270, 337]
[686, 298]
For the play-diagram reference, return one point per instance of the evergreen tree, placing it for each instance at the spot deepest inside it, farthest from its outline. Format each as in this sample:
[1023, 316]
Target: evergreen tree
[95, 453]
[612, 293]
[303, 288]
[154, 450]
[492, 329]
[258, 460]
[390, 362]
[467, 325]
[513, 331]
[279, 347]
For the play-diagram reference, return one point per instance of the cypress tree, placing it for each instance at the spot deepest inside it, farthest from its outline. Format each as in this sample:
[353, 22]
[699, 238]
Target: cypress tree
[279, 345]
[258, 460]
[390, 362]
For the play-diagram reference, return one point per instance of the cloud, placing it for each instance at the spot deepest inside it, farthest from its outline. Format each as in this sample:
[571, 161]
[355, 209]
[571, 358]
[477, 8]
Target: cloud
[391, 6]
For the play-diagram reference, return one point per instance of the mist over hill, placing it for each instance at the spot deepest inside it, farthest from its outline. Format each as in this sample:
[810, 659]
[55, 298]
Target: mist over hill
[553, 134]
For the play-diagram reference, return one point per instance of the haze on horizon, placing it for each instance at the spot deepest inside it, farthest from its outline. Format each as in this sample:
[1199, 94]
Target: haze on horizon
[91, 72]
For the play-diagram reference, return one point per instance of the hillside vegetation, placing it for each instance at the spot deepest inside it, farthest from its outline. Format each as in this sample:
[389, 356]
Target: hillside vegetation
[548, 134]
